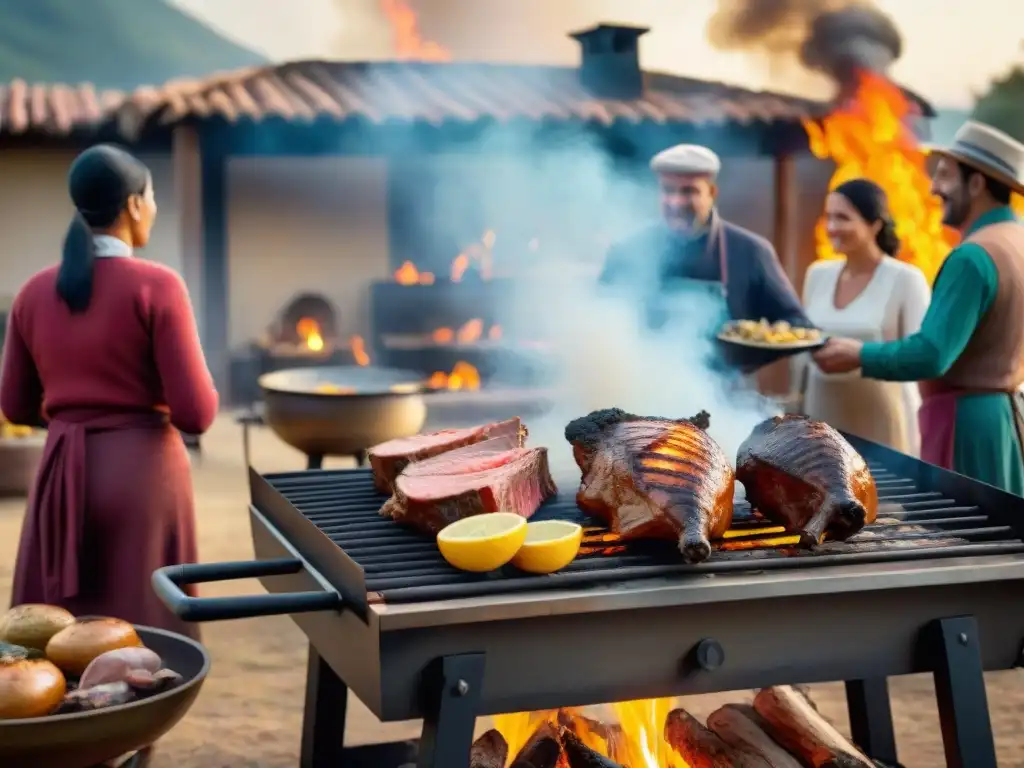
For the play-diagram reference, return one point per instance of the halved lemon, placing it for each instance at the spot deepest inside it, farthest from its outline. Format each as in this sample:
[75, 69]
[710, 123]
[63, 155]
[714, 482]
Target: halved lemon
[482, 542]
[550, 546]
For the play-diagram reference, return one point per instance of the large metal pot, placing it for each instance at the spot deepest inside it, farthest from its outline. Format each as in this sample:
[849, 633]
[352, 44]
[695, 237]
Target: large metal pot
[342, 411]
[92, 738]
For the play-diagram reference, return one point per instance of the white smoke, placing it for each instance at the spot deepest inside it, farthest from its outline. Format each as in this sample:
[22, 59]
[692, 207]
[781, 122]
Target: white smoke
[603, 356]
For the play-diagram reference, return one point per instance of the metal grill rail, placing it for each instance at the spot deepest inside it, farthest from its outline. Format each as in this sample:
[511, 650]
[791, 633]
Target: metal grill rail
[400, 565]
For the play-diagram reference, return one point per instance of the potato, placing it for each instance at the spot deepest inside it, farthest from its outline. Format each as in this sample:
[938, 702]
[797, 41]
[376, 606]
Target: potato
[73, 648]
[32, 626]
[30, 688]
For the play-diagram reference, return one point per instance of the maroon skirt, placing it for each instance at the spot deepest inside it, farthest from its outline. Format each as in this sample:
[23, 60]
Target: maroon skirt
[112, 502]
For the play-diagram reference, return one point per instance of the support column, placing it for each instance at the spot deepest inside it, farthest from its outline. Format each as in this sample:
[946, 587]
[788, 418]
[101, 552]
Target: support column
[188, 193]
[215, 263]
[784, 214]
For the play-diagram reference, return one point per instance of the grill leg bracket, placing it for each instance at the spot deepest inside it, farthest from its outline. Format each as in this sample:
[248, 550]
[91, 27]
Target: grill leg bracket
[953, 648]
[871, 718]
[452, 698]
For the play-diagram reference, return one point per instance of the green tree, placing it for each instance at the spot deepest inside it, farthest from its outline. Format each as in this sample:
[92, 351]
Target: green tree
[1003, 104]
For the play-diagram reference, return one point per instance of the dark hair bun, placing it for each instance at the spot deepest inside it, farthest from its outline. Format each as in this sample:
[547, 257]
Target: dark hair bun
[886, 238]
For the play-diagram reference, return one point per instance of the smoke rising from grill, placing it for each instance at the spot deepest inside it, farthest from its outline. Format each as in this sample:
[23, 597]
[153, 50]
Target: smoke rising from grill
[832, 37]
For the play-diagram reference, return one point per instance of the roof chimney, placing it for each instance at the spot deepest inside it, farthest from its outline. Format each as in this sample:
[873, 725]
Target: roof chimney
[610, 67]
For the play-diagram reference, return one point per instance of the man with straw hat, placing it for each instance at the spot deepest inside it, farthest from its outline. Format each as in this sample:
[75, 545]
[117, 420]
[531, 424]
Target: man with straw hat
[969, 353]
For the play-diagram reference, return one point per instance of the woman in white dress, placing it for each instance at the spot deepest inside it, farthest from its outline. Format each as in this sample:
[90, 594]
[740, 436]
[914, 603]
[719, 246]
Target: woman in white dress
[870, 296]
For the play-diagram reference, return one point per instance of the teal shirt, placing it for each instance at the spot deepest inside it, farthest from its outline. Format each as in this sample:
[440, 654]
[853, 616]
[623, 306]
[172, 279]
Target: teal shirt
[964, 290]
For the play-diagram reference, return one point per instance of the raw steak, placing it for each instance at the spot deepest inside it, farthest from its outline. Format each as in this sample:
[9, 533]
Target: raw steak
[805, 476]
[495, 475]
[654, 478]
[388, 459]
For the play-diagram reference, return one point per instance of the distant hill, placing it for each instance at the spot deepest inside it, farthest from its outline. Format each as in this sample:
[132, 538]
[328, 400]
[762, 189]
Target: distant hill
[112, 43]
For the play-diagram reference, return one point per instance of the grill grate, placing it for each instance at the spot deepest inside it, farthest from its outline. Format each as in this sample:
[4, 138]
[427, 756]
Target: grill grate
[402, 565]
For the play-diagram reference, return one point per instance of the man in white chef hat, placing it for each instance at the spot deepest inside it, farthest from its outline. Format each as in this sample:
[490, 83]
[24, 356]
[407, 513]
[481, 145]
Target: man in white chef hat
[694, 250]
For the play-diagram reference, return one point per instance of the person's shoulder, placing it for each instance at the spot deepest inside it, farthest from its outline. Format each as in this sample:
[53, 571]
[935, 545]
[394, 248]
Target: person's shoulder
[42, 283]
[154, 273]
[825, 266]
[750, 241]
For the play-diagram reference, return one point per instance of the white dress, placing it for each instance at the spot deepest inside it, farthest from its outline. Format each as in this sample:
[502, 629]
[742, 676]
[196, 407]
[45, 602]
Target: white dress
[890, 307]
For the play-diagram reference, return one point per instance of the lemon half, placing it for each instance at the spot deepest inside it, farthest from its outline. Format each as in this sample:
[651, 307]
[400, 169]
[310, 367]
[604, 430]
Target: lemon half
[550, 546]
[482, 542]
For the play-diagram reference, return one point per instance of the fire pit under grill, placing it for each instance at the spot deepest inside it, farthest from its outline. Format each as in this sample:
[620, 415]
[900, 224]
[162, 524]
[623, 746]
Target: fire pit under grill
[933, 586]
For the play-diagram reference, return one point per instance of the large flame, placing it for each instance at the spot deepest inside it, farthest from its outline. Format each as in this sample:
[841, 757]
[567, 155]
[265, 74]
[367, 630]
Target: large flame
[635, 739]
[408, 42]
[310, 333]
[868, 137]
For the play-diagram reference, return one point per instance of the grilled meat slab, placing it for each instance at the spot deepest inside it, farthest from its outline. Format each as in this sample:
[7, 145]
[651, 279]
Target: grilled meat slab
[494, 475]
[654, 478]
[805, 476]
[388, 459]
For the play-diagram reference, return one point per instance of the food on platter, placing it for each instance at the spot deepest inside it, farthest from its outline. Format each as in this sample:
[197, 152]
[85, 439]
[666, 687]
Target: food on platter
[550, 546]
[761, 333]
[495, 474]
[32, 625]
[87, 664]
[116, 666]
[333, 389]
[482, 543]
[9, 430]
[388, 459]
[805, 476]
[74, 647]
[30, 688]
[650, 477]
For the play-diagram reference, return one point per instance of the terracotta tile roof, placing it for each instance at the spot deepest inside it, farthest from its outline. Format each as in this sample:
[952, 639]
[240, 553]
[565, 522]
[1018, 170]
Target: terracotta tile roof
[437, 93]
[53, 109]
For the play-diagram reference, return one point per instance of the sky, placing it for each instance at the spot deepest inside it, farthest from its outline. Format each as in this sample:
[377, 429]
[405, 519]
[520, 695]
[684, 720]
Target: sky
[953, 48]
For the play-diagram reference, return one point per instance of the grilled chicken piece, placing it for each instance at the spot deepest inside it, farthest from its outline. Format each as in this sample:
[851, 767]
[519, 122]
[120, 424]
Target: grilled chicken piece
[805, 476]
[654, 478]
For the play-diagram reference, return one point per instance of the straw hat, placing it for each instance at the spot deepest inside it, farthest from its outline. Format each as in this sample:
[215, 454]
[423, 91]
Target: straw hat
[988, 150]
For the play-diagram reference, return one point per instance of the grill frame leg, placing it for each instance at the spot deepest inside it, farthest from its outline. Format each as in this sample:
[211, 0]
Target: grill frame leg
[952, 646]
[324, 716]
[315, 461]
[871, 726]
[452, 699]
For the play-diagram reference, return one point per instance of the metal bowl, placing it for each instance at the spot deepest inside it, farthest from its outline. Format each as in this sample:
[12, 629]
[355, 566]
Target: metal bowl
[91, 738]
[367, 406]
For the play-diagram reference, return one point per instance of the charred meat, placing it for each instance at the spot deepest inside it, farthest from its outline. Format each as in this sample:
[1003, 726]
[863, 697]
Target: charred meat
[654, 478]
[805, 476]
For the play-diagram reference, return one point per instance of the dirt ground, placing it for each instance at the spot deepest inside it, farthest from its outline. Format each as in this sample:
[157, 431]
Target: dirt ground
[250, 710]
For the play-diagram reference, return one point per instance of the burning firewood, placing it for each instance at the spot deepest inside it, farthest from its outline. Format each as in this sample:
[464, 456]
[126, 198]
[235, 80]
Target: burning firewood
[794, 723]
[543, 750]
[580, 755]
[703, 749]
[489, 751]
[581, 726]
[739, 726]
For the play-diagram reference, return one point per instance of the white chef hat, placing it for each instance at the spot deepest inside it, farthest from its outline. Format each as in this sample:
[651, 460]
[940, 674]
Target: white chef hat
[687, 158]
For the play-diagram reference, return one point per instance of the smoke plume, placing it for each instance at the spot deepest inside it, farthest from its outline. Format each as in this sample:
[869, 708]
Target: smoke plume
[834, 37]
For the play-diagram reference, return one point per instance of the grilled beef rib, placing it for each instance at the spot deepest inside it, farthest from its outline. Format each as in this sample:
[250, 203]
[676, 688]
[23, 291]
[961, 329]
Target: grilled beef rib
[495, 475]
[388, 459]
[654, 478]
[805, 476]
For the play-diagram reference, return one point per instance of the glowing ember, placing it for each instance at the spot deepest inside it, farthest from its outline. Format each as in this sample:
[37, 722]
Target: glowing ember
[358, 347]
[407, 40]
[309, 331]
[494, 333]
[480, 253]
[463, 376]
[408, 274]
[471, 331]
[868, 137]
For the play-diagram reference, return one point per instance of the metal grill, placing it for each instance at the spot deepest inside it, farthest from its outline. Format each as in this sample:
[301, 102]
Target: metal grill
[400, 565]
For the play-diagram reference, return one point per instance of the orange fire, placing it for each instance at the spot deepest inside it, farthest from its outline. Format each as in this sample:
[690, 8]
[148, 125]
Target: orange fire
[408, 274]
[358, 347]
[470, 332]
[480, 253]
[310, 333]
[407, 40]
[634, 739]
[463, 376]
[868, 137]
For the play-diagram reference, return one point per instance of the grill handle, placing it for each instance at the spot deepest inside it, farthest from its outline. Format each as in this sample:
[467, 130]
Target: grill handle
[169, 580]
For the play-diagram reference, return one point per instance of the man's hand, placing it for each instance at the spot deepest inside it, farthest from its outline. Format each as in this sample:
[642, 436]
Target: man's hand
[839, 356]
